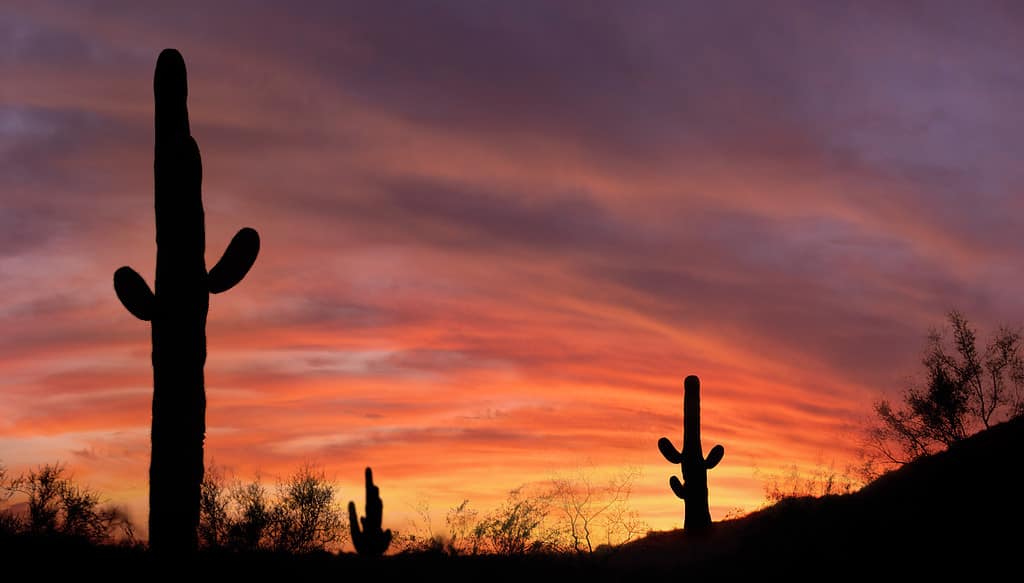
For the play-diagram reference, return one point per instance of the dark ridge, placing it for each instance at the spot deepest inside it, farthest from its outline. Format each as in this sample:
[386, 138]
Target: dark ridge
[955, 511]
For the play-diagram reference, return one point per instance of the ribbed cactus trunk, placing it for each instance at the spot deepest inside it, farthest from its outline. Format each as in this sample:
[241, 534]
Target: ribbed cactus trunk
[179, 322]
[694, 488]
[177, 311]
[697, 514]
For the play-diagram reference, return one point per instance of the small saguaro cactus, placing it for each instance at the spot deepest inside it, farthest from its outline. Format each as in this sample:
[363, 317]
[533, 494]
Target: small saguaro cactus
[693, 490]
[177, 309]
[371, 541]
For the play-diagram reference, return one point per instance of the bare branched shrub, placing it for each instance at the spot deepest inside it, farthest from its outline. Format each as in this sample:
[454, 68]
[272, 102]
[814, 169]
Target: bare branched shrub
[461, 521]
[595, 512]
[57, 506]
[822, 480]
[519, 526]
[301, 515]
[965, 391]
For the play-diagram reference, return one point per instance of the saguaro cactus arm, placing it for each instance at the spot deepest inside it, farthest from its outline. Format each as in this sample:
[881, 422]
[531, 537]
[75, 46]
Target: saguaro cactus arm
[669, 451]
[714, 456]
[678, 487]
[134, 293]
[238, 258]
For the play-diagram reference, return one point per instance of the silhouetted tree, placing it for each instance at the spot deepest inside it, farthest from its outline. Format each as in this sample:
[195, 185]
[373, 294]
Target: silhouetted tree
[301, 515]
[597, 513]
[371, 540]
[249, 530]
[306, 517]
[214, 520]
[694, 488]
[518, 527]
[9, 522]
[177, 309]
[964, 392]
[57, 506]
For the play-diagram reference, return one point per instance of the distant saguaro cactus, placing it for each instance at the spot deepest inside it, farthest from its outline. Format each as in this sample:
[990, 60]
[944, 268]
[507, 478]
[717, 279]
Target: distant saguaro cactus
[694, 488]
[177, 312]
[372, 541]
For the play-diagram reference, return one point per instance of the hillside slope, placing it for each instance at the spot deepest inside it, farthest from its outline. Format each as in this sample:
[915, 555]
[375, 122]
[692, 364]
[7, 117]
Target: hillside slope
[959, 511]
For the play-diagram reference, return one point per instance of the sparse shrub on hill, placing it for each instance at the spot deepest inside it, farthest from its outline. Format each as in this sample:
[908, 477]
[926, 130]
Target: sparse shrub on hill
[820, 481]
[964, 391]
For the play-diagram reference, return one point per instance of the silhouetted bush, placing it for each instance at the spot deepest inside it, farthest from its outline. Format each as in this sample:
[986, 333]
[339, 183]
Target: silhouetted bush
[214, 521]
[301, 515]
[461, 521]
[45, 501]
[306, 516]
[519, 526]
[420, 538]
[964, 392]
[9, 522]
[820, 481]
[571, 512]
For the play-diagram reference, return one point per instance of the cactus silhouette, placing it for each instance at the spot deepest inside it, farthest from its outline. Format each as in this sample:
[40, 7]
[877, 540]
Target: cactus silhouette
[372, 541]
[694, 488]
[177, 310]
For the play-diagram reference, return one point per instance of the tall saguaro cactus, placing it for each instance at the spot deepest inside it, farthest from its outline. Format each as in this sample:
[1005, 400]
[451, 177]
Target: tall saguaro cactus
[693, 490]
[177, 310]
[371, 540]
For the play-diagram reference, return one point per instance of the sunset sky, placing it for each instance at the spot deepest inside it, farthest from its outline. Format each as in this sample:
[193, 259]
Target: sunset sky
[496, 236]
